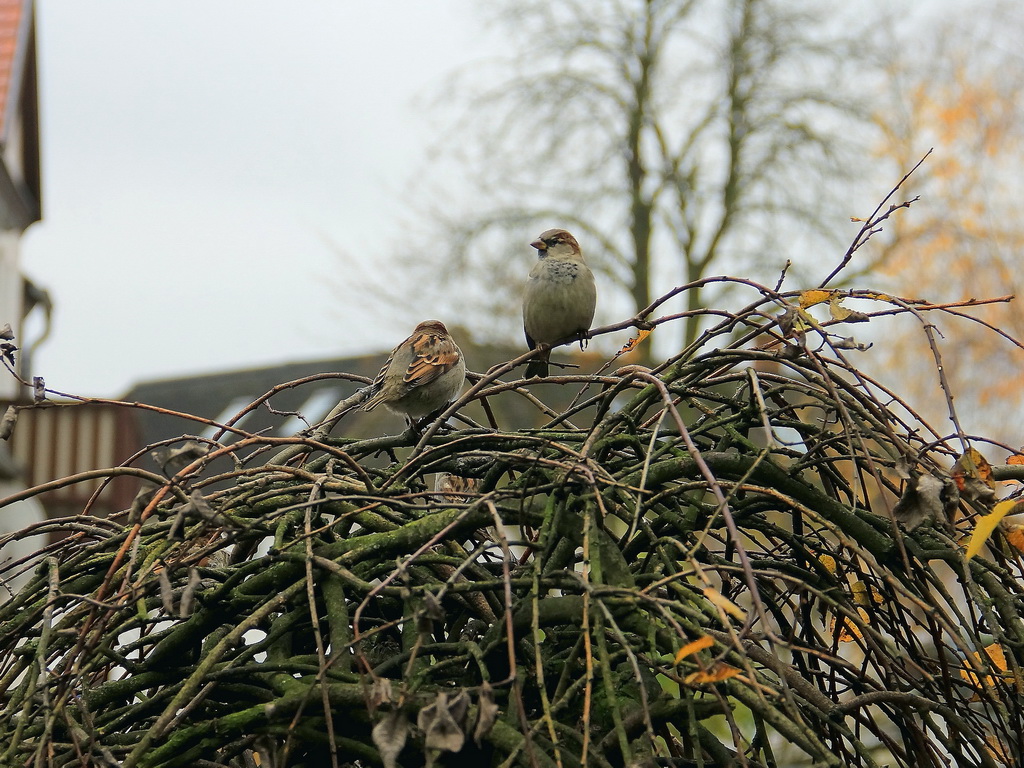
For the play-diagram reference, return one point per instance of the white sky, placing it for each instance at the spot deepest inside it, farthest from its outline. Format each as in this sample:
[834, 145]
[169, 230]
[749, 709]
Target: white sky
[201, 163]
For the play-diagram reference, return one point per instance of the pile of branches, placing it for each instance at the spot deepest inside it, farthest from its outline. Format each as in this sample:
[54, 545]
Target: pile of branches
[749, 554]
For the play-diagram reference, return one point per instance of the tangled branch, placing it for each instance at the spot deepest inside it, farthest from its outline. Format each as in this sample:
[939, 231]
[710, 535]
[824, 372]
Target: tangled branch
[706, 563]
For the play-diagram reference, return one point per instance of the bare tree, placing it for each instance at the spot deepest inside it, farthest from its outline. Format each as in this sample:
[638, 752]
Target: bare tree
[675, 137]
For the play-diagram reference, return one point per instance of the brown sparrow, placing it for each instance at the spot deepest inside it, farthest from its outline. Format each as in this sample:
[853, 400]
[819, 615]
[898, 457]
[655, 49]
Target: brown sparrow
[560, 296]
[422, 375]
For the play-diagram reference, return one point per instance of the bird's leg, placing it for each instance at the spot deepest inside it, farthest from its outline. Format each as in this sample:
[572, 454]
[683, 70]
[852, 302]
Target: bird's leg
[416, 426]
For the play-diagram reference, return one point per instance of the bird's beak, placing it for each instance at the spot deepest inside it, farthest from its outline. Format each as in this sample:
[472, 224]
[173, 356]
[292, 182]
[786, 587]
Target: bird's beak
[539, 245]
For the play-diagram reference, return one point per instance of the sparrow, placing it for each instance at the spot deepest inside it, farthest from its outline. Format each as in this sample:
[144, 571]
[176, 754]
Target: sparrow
[422, 374]
[560, 296]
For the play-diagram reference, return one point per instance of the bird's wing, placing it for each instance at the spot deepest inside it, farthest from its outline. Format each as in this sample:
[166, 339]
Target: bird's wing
[433, 356]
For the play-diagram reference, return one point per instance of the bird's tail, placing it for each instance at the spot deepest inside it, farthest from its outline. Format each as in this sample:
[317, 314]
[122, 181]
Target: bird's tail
[538, 366]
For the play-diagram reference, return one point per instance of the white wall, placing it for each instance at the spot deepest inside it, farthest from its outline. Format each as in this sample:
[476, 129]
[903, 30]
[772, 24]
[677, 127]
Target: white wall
[11, 291]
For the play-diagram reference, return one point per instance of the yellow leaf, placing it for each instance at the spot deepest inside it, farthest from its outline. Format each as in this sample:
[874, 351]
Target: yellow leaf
[843, 315]
[725, 604]
[691, 648]
[1015, 535]
[816, 296]
[715, 674]
[864, 596]
[829, 562]
[837, 310]
[987, 523]
[630, 345]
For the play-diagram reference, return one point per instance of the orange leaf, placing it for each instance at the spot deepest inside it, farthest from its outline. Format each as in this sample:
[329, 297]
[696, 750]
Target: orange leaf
[972, 474]
[996, 657]
[1016, 458]
[714, 674]
[848, 631]
[998, 749]
[630, 345]
[1015, 535]
[691, 648]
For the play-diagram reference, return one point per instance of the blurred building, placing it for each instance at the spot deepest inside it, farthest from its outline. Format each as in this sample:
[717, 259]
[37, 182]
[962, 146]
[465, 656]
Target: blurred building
[20, 206]
[20, 194]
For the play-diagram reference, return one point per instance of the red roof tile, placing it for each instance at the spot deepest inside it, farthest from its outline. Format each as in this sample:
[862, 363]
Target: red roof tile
[12, 13]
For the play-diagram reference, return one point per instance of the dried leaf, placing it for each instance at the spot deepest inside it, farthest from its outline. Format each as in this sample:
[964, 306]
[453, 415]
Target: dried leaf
[389, 736]
[380, 693]
[6, 333]
[848, 342]
[166, 590]
[7, 423]
[440, 729]
[38, 389]
[792, 323]
[925, 499]
[1016, 458]
[996, 657]
[486, 713]
[828, 562]
[188, 594]
[1014, 535]
[141, 501]
[816, 296]
[725, 603]
[842, 314]
[198, 505]
[998, 749]
[172, 460]
[987, 523]
[629, 346]
[432, 609]
[716, 673]
[846, 630]
[693, 647]
[864, 595]
[973, 477]
[459, 707]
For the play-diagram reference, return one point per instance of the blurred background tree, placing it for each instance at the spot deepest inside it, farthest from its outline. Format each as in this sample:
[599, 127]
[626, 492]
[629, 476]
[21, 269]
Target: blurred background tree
[681, 139]
[957, 89]
[675, 138]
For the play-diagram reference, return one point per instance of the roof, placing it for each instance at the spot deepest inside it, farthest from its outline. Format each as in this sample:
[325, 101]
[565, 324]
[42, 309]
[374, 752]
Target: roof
[300, 390]
[20, 179]
[14, 29]
[304, 393]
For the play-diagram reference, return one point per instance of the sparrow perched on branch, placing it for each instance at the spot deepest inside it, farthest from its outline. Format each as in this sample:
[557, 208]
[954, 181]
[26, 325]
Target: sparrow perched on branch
[560, 296]
[422, 375]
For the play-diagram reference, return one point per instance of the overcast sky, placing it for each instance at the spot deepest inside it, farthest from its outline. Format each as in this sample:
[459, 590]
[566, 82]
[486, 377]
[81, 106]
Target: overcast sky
[202, 164]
